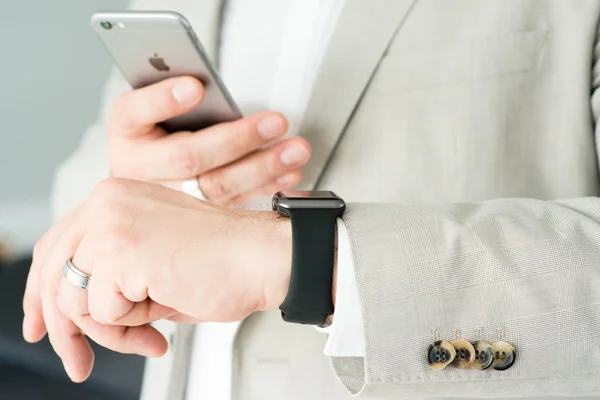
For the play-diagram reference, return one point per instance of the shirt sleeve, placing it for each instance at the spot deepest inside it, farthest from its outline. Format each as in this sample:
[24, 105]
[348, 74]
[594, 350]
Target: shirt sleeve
[346, 333]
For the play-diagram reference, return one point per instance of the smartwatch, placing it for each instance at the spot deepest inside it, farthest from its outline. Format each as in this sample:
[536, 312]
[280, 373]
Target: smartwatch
[313, 216]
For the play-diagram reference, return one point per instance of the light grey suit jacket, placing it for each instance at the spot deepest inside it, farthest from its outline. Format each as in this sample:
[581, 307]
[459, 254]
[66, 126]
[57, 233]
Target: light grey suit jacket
[424, 114]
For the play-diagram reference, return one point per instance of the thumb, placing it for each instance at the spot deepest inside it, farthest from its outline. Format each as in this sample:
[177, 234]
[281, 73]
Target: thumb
[136, 113]
[108, 306]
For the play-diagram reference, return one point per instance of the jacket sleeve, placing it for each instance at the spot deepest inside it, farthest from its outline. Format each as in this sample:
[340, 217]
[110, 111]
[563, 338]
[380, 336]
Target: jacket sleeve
[524, 267]
[527, 267]
[88, 165]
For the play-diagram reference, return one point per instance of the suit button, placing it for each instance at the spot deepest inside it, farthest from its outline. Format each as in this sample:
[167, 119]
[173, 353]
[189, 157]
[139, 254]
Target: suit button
[440, 354]
[484, 356]
[504, 355]
[465, 354]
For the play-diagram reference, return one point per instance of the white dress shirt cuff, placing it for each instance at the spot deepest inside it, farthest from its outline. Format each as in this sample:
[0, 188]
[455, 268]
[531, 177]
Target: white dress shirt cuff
[346, 334]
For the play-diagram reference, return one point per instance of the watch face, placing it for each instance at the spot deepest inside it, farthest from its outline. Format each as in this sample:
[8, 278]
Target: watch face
[304, 199]
[307, 194]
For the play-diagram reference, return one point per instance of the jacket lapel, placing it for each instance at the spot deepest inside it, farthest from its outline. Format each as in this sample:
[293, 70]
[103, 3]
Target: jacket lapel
[362, 35]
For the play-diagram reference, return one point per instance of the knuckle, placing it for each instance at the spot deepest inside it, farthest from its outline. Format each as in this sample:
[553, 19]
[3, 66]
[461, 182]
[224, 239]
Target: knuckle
[99, 313]
[109, 186]
[57, 344]
[241, 136]
[119, 113]
[117, 241]
[110, 190]
[48, 289]
[133, 111]
[31, 302]
[64, 306]
[237, 201]
[39, 248]
[213, 186]
[164, 106]
[97, 307]
[238, 138]
[186, 160]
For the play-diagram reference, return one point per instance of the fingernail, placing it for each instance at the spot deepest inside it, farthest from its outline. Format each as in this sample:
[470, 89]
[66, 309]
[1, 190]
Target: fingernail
[294, 155]
[271, 127]
[186, 93]
[286, 179]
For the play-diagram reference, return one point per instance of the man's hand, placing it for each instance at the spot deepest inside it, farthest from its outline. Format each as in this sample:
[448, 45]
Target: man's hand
[151, 252]
[232, 161]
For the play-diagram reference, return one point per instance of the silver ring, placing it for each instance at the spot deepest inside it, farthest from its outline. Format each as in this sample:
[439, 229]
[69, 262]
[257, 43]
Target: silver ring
[75, 276]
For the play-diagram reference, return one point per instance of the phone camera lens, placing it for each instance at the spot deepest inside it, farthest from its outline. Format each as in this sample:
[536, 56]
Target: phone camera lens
[106, 25]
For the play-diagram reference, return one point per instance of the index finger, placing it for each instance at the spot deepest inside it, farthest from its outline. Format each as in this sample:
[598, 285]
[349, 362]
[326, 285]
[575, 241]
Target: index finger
[135, 113]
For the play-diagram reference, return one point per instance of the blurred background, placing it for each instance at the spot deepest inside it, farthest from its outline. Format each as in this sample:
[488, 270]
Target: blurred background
[51, 74]
[52, 71]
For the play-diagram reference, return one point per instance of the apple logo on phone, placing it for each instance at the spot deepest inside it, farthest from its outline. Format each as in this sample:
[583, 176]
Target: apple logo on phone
[159, 63]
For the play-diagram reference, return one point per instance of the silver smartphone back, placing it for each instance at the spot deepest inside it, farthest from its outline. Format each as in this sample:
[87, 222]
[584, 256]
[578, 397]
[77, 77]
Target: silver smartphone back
[150, 46]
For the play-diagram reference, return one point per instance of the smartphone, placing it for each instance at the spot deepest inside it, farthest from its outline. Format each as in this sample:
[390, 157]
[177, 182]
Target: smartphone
[150, 46]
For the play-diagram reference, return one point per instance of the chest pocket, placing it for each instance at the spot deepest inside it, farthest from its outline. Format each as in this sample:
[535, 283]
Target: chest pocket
[442, 62]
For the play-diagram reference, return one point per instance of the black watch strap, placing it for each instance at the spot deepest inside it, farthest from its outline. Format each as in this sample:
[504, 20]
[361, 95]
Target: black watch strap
[309, 299]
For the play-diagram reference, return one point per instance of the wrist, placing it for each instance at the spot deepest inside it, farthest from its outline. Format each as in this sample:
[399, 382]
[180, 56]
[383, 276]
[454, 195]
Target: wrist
[278, 246]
